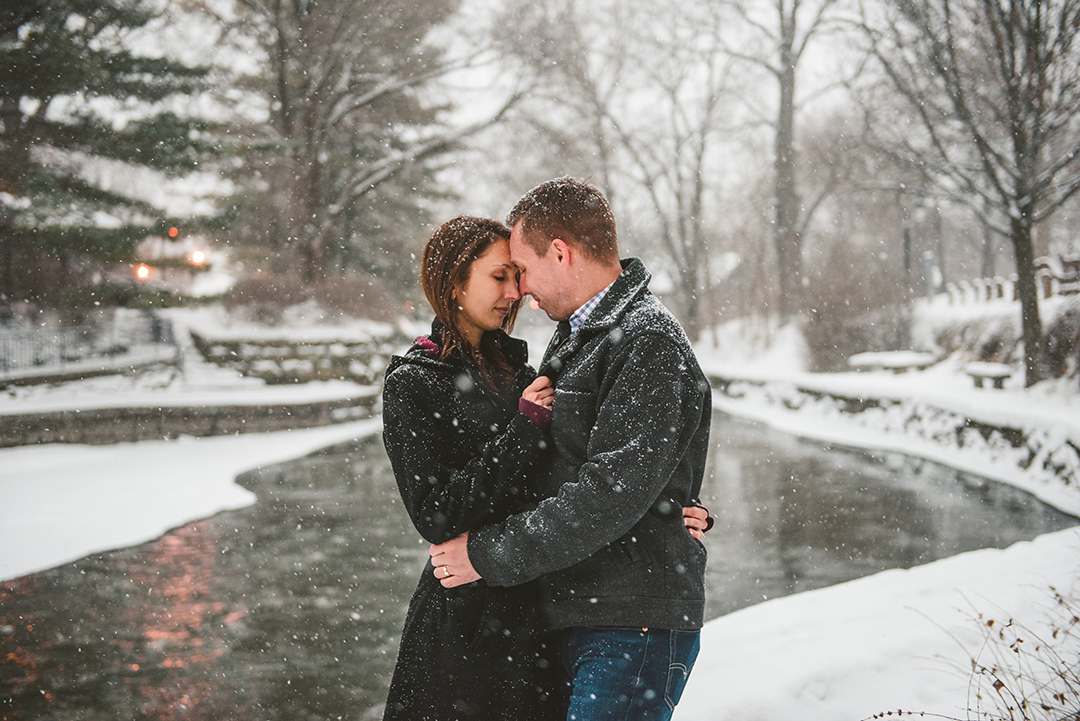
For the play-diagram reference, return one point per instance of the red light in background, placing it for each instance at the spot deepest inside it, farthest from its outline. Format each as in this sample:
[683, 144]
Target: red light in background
[174, 231]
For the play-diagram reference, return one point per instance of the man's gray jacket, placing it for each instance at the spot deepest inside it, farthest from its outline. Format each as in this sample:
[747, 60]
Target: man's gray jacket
[631, 432]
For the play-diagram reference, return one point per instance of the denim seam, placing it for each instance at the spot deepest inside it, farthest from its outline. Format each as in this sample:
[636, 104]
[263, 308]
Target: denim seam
[638, 681]
[671, 667]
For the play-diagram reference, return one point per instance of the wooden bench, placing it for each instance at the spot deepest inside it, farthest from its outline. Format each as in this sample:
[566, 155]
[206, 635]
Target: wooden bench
[996, 372]
[897, 361]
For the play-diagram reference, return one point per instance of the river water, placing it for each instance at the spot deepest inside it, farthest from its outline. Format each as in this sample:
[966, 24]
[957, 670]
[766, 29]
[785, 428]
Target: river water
[290, 609]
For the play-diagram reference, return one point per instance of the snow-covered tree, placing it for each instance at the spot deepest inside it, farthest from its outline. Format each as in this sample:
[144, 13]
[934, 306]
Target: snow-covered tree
[990, 111]
[353, 114]
[75, 93]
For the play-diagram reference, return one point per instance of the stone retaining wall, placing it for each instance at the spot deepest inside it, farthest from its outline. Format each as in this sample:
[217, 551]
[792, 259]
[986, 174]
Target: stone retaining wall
[1042, 460]
[118, 425]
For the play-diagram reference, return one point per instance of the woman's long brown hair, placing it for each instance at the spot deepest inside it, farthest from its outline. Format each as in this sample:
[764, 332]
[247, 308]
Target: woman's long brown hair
[447, 263]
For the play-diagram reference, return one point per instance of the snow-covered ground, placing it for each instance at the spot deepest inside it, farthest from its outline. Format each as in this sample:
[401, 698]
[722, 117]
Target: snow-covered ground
[900, 639]
[65, 501]
[893, 640]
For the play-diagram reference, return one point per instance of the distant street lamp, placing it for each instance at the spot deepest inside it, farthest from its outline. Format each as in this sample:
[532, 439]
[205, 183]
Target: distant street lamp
[143, 271]
[198, 257]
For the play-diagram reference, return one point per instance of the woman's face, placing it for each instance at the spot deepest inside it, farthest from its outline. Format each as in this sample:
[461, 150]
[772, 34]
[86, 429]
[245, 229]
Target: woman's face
[484, 300]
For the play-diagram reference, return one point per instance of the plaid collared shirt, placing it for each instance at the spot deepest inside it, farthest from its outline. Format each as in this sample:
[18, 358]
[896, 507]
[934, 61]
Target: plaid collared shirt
[582, 314]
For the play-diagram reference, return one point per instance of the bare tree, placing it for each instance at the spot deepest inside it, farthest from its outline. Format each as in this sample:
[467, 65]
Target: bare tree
[775, 36]
[993, 88]
[643, 86]
[672, 146]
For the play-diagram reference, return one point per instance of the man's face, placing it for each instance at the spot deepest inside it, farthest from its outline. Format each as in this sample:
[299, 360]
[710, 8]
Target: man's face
[543, 277]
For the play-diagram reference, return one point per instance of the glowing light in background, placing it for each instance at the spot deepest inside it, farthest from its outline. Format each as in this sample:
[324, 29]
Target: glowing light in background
[173, 232]
[198, 257]
[143, 271]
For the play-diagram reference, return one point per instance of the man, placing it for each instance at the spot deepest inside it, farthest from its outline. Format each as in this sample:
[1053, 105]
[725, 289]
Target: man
[620, 577]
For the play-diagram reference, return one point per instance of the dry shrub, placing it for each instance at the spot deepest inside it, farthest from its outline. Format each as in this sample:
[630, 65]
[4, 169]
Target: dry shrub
[1063, 343]
[1019, 673]
[998, 339]
[265, 296]
[358, 296]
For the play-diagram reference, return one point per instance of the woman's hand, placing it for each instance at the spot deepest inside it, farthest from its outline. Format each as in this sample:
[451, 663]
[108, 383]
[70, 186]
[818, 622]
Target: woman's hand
[697, 520]
[540, 391]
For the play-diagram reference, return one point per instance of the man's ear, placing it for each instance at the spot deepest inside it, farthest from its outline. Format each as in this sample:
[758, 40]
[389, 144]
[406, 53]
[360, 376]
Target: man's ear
[563, 252]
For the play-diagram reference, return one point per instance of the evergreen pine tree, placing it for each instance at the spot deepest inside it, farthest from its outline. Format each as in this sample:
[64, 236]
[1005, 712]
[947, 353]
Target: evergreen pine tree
[65, 72]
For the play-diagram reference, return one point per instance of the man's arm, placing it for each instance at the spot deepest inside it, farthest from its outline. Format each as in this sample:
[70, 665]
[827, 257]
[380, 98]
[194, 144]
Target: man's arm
[640, 434]
[453, 567]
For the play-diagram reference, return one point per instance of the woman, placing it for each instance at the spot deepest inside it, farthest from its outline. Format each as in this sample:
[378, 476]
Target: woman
[461, 451]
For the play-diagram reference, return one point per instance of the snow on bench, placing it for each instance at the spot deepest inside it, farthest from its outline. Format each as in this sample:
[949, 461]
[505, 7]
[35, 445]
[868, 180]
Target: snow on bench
[980, 371]
[898, 361]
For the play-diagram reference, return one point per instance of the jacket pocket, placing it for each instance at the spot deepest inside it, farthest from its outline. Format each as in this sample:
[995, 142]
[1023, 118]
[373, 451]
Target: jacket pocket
[573, 416]
[465, 610]
[628, 552]
[574, 397]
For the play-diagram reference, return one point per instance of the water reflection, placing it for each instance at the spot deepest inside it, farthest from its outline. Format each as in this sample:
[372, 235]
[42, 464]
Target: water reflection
[793, 516]
[291, 609]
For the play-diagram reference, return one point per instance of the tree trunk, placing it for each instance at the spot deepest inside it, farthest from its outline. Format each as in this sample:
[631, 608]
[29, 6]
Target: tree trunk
[1029, 299]
[691, 319]
[786, 235]
[988, 270]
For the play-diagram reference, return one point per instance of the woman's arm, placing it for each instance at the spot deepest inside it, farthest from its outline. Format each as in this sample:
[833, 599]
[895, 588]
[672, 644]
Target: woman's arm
[444, 501]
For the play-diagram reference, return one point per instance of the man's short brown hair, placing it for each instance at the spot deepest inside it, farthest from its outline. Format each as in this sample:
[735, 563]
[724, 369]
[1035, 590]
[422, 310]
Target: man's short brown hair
[572, 210]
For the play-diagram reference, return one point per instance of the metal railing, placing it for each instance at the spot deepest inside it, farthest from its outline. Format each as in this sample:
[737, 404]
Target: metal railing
[40, 349]
[1055, 277]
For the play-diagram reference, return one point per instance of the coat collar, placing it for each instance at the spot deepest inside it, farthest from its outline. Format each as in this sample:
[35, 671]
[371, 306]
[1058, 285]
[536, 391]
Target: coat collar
[630, 285]
[425, 351]
[632, 282]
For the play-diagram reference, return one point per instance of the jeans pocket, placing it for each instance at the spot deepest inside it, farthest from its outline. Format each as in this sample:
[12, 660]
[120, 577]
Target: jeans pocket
[684, 651]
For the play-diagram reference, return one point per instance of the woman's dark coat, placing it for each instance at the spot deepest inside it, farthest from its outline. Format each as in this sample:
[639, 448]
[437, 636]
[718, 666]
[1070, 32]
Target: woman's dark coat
[462, 455]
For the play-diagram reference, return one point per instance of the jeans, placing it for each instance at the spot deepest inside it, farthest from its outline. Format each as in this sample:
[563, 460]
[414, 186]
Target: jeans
[626, 674]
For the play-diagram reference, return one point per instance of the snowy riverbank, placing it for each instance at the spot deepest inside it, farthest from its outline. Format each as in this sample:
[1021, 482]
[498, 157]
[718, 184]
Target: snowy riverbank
[1007, 436]
[900, 639]
[1025, 437]
[66, 501]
